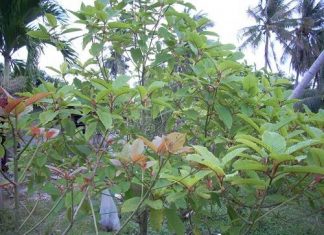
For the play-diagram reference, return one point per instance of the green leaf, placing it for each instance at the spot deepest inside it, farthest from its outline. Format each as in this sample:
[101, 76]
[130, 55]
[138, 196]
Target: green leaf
[197, 40]
[102, 95]
[250, 144]
[119, 25]
[90, 130]
[155, 86]
[2, 151]
[156, 219]
[47, 116]
[282, 157]
[51, 19]
[137, 55]
[275, 141]
[120, 81]
[317, 156]
[253, 139]
[301, 145]
[130, 205]
[96, 48]
[224, 115]
[69, 126]
[82, 150]
[156, 204]
[51, 190]
[249, 165]
[207, 159]
[249, 121]
[231, 155]
[174, 222]
[105, 117]
[304, 169]
[161, 58]
[248, 181]
[71, 30]
[142, 91]
[174, 196]
[39, 34]
[278, 125]
[41, 161]
[161, 101]
[250, 84]
[232, 213]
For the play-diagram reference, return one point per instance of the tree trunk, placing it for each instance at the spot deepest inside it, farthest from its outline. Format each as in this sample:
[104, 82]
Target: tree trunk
[266, 53]
[6, 72]
[308, 76]
[297, 79]
[143, 222]
[320, 85]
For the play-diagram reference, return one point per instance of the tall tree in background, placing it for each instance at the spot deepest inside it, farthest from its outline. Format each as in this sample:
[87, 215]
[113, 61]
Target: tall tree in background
[16, 19]
[271, 17]
[307, 38]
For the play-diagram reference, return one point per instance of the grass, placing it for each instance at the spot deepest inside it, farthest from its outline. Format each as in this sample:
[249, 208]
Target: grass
[291, 219]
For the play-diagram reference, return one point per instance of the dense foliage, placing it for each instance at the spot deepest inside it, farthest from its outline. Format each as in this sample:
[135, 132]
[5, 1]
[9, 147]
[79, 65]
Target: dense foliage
[198, 130]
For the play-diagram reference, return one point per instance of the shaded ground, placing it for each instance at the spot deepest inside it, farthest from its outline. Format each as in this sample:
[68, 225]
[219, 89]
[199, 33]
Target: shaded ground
[291, 219]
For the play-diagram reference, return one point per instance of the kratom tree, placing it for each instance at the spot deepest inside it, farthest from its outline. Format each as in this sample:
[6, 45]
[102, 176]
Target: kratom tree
[232, 149]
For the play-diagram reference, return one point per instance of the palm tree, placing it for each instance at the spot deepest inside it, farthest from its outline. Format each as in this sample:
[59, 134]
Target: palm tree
[314, 69]
[273, 17]
[307, 39]
[16, 18]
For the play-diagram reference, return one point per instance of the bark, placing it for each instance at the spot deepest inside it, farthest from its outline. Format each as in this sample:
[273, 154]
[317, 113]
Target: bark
[297, 80]
[6, 72]
[143, 222]
[266, 53]
[308, 76]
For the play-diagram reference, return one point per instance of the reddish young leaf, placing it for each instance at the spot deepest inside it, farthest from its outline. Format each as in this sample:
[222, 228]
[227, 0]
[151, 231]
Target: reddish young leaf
[51, 133]
[36, 97]
[12, 104]
[36, 131]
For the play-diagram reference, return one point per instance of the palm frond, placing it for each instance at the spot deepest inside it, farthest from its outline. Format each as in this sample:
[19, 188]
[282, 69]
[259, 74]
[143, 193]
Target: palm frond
[52, 7]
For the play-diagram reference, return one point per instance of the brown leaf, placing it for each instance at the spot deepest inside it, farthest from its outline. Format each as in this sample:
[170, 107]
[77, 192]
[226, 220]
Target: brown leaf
[175, 141]
[36, 97]
[139, 159]
[12, 104]
[148, 143]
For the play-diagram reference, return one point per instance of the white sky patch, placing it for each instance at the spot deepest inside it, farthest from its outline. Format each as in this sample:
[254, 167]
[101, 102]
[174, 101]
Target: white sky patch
[229, 16]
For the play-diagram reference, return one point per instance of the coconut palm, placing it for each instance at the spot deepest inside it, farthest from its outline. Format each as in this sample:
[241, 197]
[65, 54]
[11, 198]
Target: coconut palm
[273, 18]
[307, 39]
[16, 19]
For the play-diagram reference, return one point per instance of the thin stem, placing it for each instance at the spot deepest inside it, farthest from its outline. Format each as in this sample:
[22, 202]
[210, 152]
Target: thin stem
[258, 208]
[93, 174]
[21, 178]
[48, 214]
[30, 214]
[7, 178]
[93, 215]
[25, 147]
[281, 204]
[143, 199]
[16, 185]
[207, 121]
[72, 210]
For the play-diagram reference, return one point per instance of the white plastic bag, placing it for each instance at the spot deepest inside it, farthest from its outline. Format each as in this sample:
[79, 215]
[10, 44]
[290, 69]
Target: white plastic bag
[108, 212]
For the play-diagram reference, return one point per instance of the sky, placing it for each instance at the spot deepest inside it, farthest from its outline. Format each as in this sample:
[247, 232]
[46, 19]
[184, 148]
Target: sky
[229, 16]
